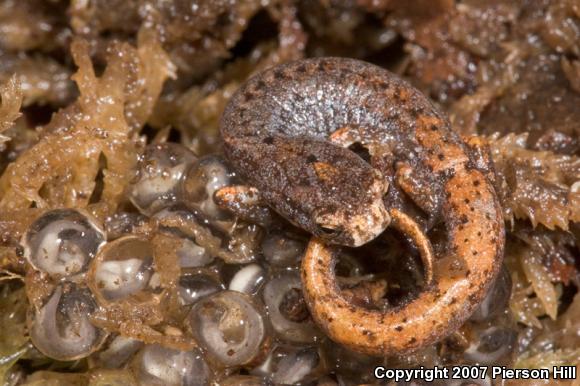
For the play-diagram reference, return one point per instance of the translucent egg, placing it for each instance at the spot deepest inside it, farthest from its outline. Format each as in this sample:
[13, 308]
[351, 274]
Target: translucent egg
[160, 172]
[62, 242]
[61, 329]
[230, 327]
[157, 365]
[195, 286]
[122, 268]
[248, 279]
[203, 179]
[282, 250]
[287, 309]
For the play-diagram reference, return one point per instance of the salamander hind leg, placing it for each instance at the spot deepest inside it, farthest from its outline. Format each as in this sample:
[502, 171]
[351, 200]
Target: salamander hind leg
[420, 188]
[480, 154]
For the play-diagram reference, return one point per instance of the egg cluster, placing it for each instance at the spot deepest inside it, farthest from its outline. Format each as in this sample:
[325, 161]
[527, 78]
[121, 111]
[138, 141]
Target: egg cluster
[181, 292]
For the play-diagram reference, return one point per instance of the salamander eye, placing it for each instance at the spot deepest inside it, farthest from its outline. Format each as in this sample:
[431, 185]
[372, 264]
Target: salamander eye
[327, 225]
[328, 231]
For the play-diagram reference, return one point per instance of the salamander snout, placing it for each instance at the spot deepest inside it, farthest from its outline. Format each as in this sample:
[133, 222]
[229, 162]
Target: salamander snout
[356, 225]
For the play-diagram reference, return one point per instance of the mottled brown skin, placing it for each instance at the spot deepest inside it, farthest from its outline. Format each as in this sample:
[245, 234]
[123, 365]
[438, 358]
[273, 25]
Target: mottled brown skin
[286, 132]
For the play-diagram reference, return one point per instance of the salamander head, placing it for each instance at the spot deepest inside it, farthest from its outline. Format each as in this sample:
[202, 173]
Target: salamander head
[358, 224]
[331, 192]
[327, 190]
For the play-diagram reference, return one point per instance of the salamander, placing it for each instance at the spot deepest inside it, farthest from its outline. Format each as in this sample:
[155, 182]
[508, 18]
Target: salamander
[291, 132]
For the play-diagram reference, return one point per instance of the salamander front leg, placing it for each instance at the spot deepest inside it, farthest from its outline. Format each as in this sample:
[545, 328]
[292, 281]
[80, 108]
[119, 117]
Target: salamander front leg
[245, 202]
